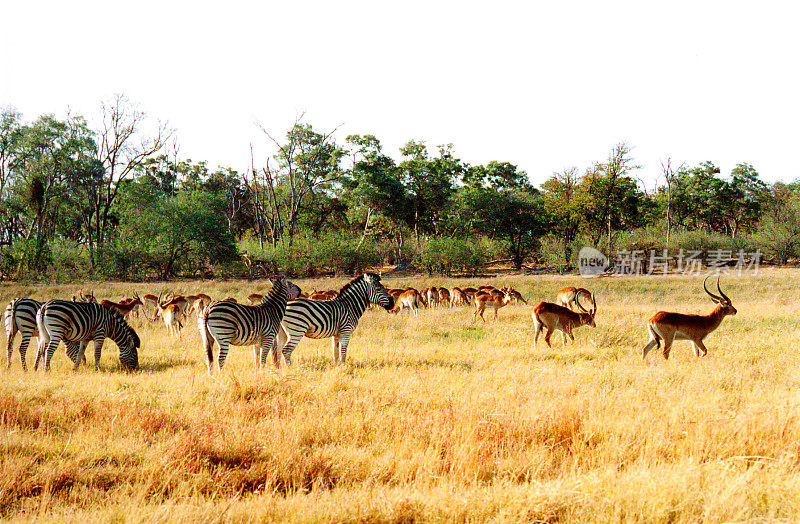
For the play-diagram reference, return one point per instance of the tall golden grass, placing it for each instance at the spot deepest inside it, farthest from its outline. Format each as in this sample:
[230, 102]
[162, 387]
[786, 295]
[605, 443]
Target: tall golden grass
[432, 418]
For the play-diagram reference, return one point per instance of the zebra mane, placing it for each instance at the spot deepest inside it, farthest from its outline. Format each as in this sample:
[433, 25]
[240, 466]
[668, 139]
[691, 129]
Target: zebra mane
[359, 278]
[124, 326]
[278, 286]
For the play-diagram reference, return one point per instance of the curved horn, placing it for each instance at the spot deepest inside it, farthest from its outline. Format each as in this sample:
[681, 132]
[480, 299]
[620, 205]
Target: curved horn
[578, 299]
[712, 295]
[723, 295]
[594, 305]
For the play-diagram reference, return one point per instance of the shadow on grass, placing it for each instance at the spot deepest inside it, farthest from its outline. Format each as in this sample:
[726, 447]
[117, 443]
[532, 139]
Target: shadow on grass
[323, 364]
[163, 365]
[560, 356]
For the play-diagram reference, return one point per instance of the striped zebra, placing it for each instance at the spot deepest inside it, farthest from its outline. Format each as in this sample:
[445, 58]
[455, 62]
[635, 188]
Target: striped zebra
[239, 324]
[20, 317]
[82, 322]
[335, 318]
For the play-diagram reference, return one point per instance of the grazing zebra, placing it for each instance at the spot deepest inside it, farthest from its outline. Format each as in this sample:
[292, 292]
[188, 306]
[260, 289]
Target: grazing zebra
[240, 325]
[83, 322]
[335, 318]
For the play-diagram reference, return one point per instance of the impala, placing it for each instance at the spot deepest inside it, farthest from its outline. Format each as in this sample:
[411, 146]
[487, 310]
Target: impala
[123, 307]
[569, 297]
[458, 297]
[482, 300]
[678, 326]
[409, 298]
[556, 317]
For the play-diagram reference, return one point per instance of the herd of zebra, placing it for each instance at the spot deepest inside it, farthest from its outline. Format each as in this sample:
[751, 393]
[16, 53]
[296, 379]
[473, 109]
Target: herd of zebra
[279, 320]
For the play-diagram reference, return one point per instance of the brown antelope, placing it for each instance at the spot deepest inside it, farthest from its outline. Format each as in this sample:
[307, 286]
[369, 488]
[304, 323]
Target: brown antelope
[444, 296]
[123, 307]
[171, 310]
[255, 298]
[409, 298]
[330, 295]
[555, 317]
[469, 293]
[678, 326]
[482, 300]
[432, 295]
[516, 296]
[84, 298]
[569, 297]
[457, 297]
[318, 295]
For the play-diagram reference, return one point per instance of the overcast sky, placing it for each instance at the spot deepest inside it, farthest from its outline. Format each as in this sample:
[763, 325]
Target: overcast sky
[544, 85]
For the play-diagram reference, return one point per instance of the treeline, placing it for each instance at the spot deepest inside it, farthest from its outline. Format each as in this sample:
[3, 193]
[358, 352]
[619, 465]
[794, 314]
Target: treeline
[115, 202]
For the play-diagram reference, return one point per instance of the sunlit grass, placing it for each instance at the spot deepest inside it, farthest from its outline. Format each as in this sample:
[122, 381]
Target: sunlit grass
[434, 417]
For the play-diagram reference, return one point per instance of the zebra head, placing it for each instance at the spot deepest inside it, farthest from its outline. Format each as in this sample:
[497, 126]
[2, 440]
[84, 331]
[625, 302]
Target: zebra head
[292, 290]
[376, 293]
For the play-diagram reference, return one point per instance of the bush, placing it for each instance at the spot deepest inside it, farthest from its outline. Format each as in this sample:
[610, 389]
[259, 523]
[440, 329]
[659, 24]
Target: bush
[444, 255]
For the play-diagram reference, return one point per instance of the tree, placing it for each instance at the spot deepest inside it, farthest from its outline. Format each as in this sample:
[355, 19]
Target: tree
[122, 148]
[501, 209]
[308, 162]
[561, 200]
[373, 183]
[429, 185]
[744, 199]
[610, 195]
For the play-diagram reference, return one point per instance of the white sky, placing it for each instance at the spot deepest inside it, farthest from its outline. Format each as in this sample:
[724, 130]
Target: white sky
[544, 85]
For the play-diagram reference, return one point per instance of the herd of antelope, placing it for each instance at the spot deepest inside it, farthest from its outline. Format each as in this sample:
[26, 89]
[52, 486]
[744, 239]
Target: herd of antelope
[567, 313]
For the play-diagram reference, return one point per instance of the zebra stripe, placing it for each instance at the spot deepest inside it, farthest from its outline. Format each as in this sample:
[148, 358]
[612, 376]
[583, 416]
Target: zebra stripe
[83, 322]
[239, 324]
[20, 317]
[335, 318]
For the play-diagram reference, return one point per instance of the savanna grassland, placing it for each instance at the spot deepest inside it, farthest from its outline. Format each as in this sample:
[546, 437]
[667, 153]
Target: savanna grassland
[432, 417]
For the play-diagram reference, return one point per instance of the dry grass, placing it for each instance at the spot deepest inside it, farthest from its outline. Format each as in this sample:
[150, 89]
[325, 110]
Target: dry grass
[433, 418]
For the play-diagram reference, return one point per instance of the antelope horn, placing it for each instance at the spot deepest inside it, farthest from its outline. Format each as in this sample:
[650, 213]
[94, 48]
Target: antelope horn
[594, 305]
[578, 300]
[714, 297]
[723, 295]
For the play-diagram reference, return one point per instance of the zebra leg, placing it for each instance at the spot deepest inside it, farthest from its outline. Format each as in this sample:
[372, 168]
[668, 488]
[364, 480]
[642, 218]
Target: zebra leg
[98, 349]
[344, 340]
[267, 344]
[10, 348]
[291, 343]
[50, 350]
[208, 344]
[23, 350]
[77, 353]
[257, 357]
[335, 347]
[223, 353]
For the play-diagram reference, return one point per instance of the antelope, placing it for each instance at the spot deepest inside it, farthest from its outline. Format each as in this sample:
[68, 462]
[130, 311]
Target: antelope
[149, 300]
[444, 296]
[124, 307]
[432, 294]
[516, 296]
[469, 293]
[330, 295]
[84, 298]
[255, 298]
[318, 295]
[678, 326]
[457, 297]
[569, 297]
[171, 310]
[556, 317]
[488, 299]
[409, 298]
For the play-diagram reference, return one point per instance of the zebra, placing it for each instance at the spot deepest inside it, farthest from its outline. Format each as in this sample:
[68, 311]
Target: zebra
[335, 318]
[82, 322]
[238, 324]
[20, 317]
